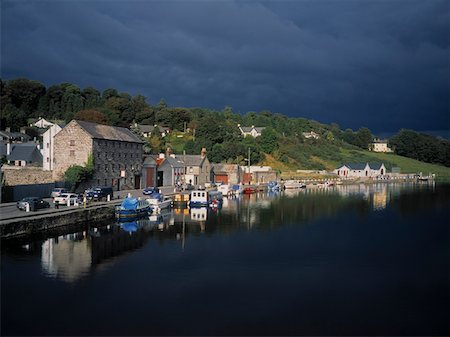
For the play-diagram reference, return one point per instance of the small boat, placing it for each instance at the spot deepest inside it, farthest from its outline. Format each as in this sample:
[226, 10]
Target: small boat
[250, 189]
[273, 186]
[237, 189]
[132, 208]
[292, 184]
[158, 202]
[201, 198]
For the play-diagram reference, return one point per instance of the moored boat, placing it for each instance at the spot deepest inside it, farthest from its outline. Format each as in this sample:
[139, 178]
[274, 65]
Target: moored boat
[200, 198]
[132, 208]
[292, 184]
[250, 189]
[158, 202]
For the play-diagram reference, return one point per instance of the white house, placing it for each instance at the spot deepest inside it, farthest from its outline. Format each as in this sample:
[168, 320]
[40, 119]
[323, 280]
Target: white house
[379, 145]
[311, 134]
[147, 130]
[42, 123]
[250, 131]
[47, 147]
[359, 170]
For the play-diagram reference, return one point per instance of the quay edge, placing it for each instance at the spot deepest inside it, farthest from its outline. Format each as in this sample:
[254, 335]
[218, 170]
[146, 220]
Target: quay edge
[21, 227]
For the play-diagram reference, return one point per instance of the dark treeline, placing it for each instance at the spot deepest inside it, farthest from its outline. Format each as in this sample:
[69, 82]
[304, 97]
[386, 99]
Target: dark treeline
[422, 147]
[282, 139]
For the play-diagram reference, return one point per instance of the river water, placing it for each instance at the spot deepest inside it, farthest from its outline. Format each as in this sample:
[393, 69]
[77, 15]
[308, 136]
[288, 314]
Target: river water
[350, 260]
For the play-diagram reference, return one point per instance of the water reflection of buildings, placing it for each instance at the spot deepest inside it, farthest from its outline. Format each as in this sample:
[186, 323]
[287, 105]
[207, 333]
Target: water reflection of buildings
[67, 257]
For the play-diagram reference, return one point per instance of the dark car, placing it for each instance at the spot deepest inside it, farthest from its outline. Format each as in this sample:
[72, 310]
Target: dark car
[34, 202]
[150, 190]
[99, 193]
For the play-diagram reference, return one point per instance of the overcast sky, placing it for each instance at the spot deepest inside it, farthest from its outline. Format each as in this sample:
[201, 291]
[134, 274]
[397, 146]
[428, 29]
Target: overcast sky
[380, 64]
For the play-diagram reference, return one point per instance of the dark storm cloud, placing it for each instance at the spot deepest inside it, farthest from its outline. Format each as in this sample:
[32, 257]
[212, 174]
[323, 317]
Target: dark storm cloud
[384, 65]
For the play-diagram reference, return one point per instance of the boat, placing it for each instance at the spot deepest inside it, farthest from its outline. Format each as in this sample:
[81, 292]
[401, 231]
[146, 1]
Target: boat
[250, 189]
[237, 189]
[132, 208]
[201, 198]
[273, 186]
[158, 202]
[292, 184]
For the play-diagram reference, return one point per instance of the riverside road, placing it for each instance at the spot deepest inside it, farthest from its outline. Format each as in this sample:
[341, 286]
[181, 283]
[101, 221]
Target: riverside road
[9, 211]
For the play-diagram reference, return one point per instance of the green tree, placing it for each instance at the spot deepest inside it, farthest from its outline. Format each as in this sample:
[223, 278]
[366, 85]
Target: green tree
[269, 140]
[93, 116]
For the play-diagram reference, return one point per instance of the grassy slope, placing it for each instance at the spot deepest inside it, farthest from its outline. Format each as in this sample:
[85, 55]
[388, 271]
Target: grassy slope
[406, 165]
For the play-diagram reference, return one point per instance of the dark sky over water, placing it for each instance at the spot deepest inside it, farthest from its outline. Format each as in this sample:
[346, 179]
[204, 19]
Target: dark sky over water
[380, 64]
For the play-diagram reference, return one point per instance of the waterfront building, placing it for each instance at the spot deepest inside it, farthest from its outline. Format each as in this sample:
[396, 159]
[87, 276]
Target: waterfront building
[197, 168]
[226, 174]
[251, 131]
[258, 174]
[170, 171]
[116, 152]
[48, 143]
[360, 170]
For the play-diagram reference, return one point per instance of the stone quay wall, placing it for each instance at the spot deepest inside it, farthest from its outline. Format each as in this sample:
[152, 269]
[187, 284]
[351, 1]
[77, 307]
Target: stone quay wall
[39, 224]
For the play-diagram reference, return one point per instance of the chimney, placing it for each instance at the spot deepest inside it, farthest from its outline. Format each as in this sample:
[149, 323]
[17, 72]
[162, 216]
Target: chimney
[162, 156]
[253, 126]
[168, 152]
[203, 153]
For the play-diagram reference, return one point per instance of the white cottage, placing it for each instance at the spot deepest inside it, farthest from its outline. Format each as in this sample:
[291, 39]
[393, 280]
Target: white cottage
[359, 170]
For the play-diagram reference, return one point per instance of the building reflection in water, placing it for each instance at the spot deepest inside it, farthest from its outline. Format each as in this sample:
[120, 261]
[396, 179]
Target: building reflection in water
[67, 257]
[72, 256]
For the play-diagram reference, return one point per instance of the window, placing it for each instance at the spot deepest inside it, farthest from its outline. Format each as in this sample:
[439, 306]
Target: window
[72, 142]
[72, 153]
[48, 145]
[48, 160]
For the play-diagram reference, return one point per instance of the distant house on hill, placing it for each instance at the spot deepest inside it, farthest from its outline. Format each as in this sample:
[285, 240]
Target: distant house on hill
[361, 170]
[42, 123]
[251, 131]
[148, 130]
[379, 145]
[311, 134]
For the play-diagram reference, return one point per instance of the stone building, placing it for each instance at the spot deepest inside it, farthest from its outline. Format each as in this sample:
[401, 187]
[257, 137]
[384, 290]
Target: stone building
[116, 152]
[227, 174]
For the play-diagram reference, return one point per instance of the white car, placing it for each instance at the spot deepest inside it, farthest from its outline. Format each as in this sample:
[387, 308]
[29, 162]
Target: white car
[62, 199]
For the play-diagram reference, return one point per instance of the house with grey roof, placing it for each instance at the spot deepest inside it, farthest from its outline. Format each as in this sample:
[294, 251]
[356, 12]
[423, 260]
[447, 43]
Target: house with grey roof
[361, 170]
[170, 172]
[147, 130]
[116, 152]
[251, 131]
[197, 169]
[23, 154]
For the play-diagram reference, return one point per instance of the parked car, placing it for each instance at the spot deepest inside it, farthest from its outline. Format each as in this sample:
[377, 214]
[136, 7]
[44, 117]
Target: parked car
[99, 193]
[150, 190]
[34, 202]
[57, 192]
[62, 199]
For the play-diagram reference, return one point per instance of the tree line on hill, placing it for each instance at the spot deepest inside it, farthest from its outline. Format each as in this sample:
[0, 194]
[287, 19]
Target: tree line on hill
[217, 131]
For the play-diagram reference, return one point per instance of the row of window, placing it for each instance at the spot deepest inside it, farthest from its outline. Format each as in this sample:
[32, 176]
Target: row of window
[113, 167]
[118, 154]
[119, 145]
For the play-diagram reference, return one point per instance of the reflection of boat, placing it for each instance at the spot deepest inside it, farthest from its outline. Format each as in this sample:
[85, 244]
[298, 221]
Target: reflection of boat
[181, 200]
[291, 184]
[132, 208]
[158, 202]
[129, 227]
[199, 214]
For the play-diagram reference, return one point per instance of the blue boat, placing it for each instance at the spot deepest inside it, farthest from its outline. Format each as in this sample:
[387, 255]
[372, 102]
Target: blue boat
[273, 186]
[132, 208]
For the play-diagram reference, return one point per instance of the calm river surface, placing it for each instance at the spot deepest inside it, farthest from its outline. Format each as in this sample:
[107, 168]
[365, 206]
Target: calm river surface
[350, 260]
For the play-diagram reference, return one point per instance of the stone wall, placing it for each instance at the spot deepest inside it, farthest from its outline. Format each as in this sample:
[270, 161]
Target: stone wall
[72, 147]
[26, 175]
